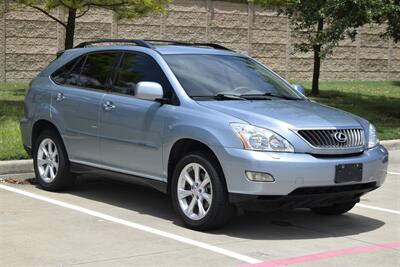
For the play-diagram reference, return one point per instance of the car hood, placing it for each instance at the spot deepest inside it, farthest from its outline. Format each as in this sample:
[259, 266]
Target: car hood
[290, 114]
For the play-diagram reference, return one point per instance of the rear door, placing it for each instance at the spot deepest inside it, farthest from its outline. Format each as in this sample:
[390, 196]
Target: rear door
[76, 103]
[131, 129]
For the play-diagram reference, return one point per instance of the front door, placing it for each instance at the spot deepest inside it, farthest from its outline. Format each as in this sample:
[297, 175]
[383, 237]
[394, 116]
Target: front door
[131, 129]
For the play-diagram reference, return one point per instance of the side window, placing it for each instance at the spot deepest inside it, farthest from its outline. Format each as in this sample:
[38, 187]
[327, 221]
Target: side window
[136, 68]
[73, 75]
[96, 70]
[63, 74]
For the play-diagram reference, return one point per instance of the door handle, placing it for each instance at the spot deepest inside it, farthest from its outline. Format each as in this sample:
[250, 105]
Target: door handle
[60, 97]
[108, 105]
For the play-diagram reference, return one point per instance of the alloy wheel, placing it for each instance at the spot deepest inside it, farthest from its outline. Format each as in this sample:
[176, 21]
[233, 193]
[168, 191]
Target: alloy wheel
[194, 191]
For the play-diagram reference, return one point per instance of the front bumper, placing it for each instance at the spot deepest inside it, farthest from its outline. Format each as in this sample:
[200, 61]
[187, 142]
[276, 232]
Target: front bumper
[295, 170]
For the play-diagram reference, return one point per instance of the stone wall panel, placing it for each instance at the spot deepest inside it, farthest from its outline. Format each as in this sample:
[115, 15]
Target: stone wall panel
[374, 53]
[269, 37]
[29, 39]
[30, 28]
[187, 34]
[194, 19]
[130, 31]
[373, 65]
[26, 45]
[93, 30]
[28, 62]
[269, 50]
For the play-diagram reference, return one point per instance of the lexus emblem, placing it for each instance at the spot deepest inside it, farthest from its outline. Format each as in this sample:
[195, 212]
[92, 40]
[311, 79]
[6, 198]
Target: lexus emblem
[340, 137]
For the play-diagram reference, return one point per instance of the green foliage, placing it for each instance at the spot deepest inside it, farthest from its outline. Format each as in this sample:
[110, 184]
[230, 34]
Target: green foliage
[338, 19]
[122, 8]
[388, 11]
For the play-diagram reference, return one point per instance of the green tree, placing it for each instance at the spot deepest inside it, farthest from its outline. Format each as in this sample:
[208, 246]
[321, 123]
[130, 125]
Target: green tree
[321, 24]
[388, 12]
[78, 8]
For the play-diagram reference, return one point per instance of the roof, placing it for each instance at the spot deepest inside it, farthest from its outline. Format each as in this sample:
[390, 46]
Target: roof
[161, 46]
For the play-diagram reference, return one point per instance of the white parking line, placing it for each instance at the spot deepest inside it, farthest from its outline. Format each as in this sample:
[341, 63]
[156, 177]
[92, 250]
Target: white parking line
[137, 226]
[378, 208]
[395, 173]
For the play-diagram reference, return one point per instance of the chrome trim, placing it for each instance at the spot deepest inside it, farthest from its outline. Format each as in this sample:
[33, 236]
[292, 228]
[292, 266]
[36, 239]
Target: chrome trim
[324, 138]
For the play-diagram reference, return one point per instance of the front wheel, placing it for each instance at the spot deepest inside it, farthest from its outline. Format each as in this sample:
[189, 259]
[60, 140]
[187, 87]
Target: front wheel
[199, 194]
[335, 209]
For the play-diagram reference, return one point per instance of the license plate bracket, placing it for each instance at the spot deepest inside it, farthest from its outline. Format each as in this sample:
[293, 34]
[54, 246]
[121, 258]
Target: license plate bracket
[348, 173]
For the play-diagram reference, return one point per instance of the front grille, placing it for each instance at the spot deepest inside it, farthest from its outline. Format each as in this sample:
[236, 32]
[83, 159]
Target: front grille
[335, 138]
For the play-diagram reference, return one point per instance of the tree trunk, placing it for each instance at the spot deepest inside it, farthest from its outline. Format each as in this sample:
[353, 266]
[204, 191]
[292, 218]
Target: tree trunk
[70, 29]
[317, 62]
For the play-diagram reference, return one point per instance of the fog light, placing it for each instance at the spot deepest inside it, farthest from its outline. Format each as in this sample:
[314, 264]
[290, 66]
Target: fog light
[259, 176]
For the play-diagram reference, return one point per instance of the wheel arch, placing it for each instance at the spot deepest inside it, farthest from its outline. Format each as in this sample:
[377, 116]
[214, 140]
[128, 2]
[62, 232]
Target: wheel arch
[181, 148]
[41, 125]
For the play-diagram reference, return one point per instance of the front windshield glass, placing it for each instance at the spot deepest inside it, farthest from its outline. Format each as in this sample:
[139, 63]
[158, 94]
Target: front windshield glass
[210, 75]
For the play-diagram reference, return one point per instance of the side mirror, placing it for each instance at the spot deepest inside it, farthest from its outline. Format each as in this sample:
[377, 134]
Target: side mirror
[299, 88]
[149, 91]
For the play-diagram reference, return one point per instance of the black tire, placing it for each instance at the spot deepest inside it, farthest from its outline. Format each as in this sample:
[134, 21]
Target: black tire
[220, 211]
[336, 209]
[64, 178]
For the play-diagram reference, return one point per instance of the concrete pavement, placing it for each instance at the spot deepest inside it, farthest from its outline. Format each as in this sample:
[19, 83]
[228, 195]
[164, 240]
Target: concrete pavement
[36, 232]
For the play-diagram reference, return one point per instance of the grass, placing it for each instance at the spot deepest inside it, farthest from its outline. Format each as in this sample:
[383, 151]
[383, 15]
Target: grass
[378, 102]
[11, 112]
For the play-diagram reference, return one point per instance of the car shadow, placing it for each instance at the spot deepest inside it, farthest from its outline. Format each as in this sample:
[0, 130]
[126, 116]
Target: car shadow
[280, 225]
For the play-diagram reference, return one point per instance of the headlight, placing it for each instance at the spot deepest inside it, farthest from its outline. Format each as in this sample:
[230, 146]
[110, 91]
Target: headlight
[372, 136]
[256, 138]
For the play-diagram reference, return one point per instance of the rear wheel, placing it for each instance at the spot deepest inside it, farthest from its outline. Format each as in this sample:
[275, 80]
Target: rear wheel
[51, 162]
[336, 209]
[199, 194]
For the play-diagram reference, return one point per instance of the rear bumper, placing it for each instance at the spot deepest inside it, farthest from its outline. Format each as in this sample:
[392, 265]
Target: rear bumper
[306, 197]
[295, 170]
[25, 127]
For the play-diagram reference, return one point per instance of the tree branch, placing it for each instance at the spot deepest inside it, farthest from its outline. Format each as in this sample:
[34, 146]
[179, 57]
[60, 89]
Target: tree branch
[48, 14]
[84, 12]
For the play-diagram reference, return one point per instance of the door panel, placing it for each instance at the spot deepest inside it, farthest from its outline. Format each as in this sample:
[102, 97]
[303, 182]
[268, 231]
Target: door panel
[131, 135]
[79, 113]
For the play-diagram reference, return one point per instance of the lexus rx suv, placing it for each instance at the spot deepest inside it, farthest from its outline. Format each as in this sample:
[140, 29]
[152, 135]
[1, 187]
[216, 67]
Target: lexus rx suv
[213, 128]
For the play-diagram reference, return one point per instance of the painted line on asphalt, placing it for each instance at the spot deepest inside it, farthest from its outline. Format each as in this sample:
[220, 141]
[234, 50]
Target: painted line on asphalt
[395, 173]
[327, 254]
[137, 226]
[377, 208]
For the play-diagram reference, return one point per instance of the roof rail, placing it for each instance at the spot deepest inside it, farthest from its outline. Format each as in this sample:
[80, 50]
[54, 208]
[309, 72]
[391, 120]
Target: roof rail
[147, 43]
[215, 46]
[137, 42]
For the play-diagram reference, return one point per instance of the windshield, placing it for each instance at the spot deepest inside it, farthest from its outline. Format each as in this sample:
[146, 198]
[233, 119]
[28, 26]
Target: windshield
[212, 75]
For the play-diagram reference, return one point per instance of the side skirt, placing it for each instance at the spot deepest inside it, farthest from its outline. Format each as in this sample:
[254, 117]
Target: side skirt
[85, 169]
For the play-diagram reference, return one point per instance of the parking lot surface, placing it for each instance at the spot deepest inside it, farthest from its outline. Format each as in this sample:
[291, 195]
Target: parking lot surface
[106, 223]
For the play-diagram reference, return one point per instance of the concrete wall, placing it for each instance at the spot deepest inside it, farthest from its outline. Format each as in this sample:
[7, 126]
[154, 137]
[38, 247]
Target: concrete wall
[29, 39]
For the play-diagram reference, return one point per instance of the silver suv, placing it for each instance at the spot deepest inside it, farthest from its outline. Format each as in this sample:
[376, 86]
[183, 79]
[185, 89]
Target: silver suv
[215, 129]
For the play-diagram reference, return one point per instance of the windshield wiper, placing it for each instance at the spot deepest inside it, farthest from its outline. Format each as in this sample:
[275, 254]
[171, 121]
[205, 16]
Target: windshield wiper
[269, 94]
[221, 96]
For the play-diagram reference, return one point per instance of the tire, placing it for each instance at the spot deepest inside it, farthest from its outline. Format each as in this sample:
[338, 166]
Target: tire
[52, 172]
[336, 209]
[217, 209]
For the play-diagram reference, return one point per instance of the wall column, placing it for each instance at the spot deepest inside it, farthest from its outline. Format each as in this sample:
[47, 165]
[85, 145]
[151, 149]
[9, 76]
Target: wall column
[250, 10]
[3, 9]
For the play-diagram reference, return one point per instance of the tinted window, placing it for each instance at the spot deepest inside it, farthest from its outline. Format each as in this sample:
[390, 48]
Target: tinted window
[137, 68]
[209, 75]
[63, 74]
[73, 75]
[96, 70]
